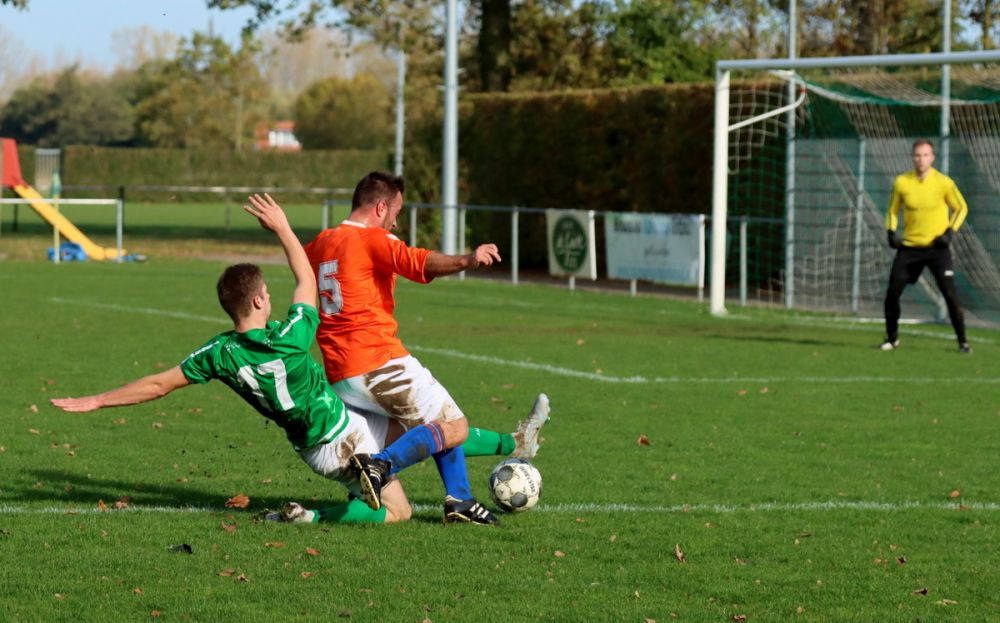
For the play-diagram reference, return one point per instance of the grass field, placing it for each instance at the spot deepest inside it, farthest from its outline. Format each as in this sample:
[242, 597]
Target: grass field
[804, 474]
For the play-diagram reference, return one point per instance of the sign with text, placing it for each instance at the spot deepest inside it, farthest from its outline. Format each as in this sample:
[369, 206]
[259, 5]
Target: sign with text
[571, 243]
[664, 248]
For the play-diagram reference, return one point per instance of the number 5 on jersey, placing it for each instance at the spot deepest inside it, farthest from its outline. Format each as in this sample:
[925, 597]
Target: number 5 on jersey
[331, 301]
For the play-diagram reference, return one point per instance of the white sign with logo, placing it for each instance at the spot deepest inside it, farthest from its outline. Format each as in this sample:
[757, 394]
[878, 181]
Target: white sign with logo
[663, 248]
[572, 250]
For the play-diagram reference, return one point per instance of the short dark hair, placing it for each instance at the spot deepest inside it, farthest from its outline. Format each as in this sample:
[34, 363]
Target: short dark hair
[236, 288]
[377, 186]
[922, 141]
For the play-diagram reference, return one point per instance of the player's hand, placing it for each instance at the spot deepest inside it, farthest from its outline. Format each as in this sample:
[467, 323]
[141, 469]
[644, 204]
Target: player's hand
[894, 240]
[944, 240]
[484, 255]
[77, 405]
[268, 212]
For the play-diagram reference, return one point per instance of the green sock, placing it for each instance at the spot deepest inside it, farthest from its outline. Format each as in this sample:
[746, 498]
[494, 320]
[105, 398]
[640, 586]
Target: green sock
[352, 511]
[482, 442]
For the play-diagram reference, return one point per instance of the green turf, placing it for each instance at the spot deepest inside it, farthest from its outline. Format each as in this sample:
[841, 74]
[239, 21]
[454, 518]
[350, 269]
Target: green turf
[804, 474]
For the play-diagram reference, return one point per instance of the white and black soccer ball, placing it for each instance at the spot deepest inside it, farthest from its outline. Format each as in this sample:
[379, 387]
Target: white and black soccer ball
[515, 485]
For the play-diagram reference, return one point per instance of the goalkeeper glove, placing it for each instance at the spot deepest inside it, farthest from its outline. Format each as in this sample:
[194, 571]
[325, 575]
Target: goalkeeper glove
[894, 241]
[944, 240]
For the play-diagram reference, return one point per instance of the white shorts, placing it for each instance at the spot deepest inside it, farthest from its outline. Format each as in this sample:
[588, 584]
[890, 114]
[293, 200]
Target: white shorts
[364, 434]
[402, 390]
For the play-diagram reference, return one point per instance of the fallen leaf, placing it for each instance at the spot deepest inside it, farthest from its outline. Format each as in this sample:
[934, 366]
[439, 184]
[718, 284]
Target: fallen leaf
[496, 400]
[954, 494]
[741, 561]
[580, 520]
[59, 595]
[649, 621]
[137, 590]
[227, 572]
[579, 342]
[34, 409]
[678, 554]
[947, 602]
[741, 392]
[155, 614]
[101, 506]
[306, 574]
[242, 578]
[238, 501]
[901, 560]
[157, 425]
[275, 544]
[800, 610]
[642, 440]
[312, 552]
[636, 594]
[673, 477]
[740, 617]
[34, 431]
[763, 390]
[122, 502]
[228, 527]
[266, 481]
[921, 591]
[559, 554]
[613, 538]
[119, 421]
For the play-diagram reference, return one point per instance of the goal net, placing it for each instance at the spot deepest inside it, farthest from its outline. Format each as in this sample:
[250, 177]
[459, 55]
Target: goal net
[808, 188]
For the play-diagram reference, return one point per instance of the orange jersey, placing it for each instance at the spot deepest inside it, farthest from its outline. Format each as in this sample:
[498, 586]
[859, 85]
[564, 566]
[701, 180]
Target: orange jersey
[356, 268]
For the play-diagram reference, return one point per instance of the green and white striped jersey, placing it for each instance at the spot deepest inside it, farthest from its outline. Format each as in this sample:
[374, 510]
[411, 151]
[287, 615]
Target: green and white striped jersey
[272, 369]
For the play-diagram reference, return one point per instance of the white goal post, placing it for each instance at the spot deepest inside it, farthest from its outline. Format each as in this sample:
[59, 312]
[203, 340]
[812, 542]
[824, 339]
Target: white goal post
[723, 128]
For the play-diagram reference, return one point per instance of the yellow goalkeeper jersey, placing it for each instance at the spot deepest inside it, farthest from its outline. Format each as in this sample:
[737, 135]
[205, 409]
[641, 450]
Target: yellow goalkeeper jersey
[925, 206]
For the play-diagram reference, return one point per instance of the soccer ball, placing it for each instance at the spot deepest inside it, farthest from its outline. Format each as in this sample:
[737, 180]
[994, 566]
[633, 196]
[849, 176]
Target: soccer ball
[515, 485]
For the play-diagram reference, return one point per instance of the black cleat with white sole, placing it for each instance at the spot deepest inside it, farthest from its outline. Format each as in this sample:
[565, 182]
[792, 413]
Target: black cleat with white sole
[372, 475]
[467, 511]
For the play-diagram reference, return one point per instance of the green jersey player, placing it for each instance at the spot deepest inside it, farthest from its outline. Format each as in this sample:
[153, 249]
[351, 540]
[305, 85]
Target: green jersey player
[268, 364]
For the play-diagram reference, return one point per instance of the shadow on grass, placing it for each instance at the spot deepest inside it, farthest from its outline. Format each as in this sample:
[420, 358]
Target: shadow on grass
[771, 339]
[84, 491]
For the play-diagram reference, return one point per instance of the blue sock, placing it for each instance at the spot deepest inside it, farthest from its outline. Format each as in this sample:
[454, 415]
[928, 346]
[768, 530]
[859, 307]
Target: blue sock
[413, 446]
[451, 466]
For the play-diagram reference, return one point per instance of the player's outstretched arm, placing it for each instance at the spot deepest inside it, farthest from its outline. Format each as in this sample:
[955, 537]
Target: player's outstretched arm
[271, 216]
[142, 390]
[439, 264]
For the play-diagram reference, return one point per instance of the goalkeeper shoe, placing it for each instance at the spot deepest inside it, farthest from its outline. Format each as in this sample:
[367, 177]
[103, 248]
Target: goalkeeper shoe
[889, 344]
[292, 513]
[372, 474]
[526, 436]
[467, 511]
[965, 348]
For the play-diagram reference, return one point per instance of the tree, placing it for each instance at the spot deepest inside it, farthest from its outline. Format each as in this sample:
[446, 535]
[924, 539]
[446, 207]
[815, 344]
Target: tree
[208, 96]
[335, 113]
[68, 110]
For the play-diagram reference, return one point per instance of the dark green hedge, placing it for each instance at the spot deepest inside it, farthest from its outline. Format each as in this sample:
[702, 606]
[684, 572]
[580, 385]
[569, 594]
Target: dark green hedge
[644, 149]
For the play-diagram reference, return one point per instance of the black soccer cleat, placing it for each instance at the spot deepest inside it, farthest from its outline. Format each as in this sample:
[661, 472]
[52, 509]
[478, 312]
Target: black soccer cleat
[965, 348]
[467, 511]
[372, 474]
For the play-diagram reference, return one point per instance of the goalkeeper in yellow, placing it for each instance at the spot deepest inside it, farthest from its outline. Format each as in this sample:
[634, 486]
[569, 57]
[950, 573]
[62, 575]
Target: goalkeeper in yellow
[933, 210]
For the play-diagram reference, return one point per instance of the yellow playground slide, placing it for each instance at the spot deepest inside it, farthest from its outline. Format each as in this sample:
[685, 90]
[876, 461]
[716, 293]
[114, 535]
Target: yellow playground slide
[66, 229]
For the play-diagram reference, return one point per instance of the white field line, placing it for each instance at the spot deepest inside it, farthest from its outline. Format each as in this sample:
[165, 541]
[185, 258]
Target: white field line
[763, 507]
[580, 374]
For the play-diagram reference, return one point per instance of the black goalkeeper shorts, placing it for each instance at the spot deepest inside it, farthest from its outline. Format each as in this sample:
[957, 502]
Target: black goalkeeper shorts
[911, 261]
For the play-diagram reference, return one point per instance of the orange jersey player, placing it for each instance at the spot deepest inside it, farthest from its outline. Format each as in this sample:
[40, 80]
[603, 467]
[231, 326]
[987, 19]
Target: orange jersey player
[356, 265]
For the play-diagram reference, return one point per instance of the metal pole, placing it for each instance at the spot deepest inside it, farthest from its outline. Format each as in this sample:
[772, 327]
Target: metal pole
[119, 221]
[413, 226]
[858, 223]
[514, 246]
[324, 217]
[720, 200]
[790, 167]
[633, 289]
[400, 111]
[461, 237]
[55, 234]
[743, 261]
[946, 93]
[449, 175]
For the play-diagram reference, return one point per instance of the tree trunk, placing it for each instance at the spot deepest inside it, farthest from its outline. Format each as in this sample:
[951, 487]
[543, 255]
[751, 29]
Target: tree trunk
[494, 45]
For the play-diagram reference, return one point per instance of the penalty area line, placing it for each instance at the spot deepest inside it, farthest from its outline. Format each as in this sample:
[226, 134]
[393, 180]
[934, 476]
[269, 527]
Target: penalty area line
[719, 509]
